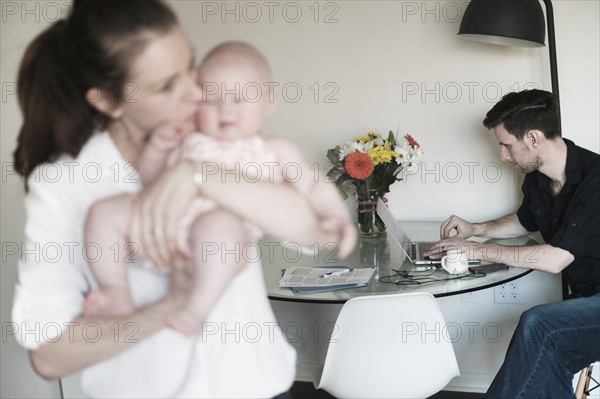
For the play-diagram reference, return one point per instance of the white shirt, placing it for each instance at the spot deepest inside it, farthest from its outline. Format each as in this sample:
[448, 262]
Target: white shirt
[241, 351]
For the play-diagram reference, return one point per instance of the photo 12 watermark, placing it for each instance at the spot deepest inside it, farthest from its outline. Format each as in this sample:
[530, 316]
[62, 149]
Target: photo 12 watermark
[264, 251]
[253, 12]
[49, 12]
[290, 92]
[50, 332]
[452, 12]
[459, 92]
[70, 172]
[433, 11]
[34, 11]
[55, 93]
[215, 93]
[328, 332]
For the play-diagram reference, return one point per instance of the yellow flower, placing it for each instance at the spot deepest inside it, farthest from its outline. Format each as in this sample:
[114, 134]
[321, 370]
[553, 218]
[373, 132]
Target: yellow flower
[381, 155]
[368, 137]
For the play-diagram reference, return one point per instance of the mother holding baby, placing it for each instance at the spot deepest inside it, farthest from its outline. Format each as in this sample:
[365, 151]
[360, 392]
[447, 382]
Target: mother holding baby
[122, 70]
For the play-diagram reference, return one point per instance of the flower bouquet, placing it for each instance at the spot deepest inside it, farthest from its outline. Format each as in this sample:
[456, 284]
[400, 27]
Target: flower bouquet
[367, 166]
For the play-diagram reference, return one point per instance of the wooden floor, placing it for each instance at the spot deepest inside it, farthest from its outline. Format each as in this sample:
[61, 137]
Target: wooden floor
[306, 390]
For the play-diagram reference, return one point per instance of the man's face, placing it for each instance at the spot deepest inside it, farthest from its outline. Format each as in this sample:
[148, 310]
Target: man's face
[518, 152]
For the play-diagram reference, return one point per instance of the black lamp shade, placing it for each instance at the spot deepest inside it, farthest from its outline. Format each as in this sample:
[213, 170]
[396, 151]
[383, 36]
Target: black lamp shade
[504, 22]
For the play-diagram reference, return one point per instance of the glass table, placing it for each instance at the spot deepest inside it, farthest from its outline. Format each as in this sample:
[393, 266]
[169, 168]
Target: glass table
[393, 273]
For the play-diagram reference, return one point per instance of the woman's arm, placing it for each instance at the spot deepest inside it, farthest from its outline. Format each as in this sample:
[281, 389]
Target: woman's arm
[49, 292]
[74, 350]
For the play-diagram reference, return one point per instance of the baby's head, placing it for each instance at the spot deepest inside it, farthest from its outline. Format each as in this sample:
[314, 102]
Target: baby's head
[235, 100]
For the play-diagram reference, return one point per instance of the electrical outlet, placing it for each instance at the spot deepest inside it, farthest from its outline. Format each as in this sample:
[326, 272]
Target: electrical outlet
[511, 293]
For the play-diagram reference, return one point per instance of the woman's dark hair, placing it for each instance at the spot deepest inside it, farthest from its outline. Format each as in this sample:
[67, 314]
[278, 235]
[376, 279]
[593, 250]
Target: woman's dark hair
[524, 111]
[92, 48]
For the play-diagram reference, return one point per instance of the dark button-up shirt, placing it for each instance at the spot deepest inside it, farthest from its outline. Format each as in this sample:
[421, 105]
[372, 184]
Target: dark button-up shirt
[571, 219]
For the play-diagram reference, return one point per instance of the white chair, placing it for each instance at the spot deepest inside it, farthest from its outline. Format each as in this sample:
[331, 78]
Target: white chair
[583, 389]
[388, 346]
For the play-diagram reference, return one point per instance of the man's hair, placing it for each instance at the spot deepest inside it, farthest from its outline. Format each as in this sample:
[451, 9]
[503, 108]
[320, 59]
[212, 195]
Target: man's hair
[526, 110]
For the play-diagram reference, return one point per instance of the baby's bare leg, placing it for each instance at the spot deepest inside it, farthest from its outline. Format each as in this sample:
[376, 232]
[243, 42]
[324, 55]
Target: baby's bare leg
[218, 238]
[106, 228]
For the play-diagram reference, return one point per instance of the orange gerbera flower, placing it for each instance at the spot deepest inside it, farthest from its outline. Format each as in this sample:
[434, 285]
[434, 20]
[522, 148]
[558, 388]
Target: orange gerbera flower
[412, 141]
[359, 165]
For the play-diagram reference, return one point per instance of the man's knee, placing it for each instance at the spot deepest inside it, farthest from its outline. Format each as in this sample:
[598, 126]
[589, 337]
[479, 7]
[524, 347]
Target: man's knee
[531, 321]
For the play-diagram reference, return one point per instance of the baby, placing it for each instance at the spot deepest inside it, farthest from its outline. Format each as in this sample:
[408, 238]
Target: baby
[230, 136]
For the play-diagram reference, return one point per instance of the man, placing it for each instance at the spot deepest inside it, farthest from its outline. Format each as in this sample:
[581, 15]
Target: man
[562, 201]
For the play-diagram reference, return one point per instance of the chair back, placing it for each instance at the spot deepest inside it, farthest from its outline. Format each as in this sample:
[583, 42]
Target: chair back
[389, 346]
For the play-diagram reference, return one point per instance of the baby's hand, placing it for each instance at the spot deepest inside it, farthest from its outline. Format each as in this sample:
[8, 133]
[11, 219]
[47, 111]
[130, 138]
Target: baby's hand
[167, 137]
[344, 233]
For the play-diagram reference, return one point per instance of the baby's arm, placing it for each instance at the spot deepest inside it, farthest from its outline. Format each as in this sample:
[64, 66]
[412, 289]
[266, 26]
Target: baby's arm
[156, 153]
[323, 196]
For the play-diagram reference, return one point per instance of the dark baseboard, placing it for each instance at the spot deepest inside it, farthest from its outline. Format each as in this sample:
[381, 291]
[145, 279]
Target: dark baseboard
[306, 390]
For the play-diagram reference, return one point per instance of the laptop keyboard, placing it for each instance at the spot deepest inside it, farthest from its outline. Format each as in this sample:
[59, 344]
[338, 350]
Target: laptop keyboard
[419, 247]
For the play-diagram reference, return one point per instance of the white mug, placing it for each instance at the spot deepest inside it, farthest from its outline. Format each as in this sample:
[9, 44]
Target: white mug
[455, 262]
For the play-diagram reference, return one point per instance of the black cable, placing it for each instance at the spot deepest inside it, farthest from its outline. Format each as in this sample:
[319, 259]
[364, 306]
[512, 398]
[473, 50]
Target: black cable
[406, 278]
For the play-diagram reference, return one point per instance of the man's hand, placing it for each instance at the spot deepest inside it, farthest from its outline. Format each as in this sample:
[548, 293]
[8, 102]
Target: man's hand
[472, 249]
[463, 228]
[459, 241]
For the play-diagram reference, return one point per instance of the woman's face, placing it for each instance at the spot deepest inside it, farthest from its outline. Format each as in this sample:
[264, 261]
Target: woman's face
[162, 88]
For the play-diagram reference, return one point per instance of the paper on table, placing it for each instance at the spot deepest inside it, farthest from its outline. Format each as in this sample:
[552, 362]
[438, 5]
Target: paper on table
[313, 277]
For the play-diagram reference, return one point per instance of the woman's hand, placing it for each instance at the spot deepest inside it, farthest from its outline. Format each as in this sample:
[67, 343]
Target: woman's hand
[157, 211]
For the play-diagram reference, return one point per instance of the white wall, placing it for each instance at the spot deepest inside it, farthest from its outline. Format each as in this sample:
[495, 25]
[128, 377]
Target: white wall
[385, 65]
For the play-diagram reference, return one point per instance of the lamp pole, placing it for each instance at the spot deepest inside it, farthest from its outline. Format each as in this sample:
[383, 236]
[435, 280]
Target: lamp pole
[552, 47]
[555, 90]
[474, 26]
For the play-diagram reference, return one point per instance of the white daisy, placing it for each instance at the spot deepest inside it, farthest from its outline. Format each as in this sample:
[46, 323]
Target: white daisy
[349, 148]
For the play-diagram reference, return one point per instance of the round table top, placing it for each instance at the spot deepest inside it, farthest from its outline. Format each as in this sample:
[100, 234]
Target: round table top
[393, 273]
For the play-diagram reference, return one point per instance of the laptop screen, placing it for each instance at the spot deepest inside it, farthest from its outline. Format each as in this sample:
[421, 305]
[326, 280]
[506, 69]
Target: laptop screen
[394, 227]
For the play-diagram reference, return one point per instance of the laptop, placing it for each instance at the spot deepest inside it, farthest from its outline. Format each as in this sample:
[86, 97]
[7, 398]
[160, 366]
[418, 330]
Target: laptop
[413, 249]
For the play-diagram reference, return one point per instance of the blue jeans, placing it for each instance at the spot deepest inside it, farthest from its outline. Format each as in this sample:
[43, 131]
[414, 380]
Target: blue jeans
[552, 342]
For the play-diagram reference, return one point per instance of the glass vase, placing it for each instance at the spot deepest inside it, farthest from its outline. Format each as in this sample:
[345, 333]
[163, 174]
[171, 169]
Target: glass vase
[375, 253]
[370, 224]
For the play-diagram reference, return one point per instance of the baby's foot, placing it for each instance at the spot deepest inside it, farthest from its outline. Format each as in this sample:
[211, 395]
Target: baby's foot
[185, 321]
[107, 303]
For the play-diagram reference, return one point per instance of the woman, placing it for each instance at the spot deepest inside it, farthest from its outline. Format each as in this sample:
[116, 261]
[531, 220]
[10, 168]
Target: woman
[119, 70]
